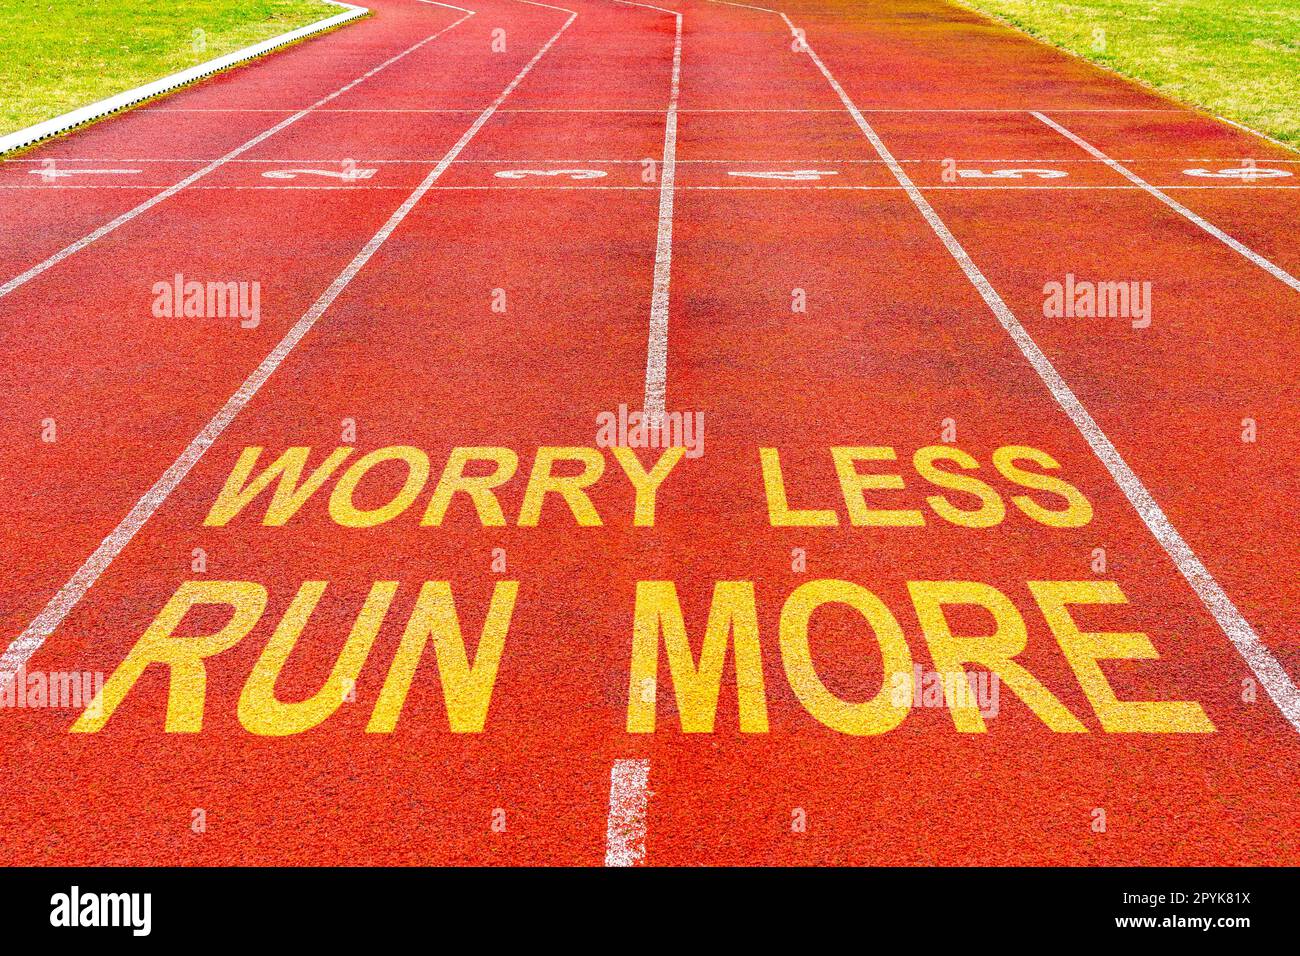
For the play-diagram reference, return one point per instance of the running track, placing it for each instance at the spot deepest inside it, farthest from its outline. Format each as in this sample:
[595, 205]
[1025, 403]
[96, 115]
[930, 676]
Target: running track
[665, 283]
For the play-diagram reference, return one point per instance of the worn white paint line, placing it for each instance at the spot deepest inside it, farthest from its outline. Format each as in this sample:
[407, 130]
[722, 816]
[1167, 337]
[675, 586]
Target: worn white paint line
[656, 362]
[230, 187]
[628, 109]
[26, 644]
[508, 160]
[538, 3]
[625, 831]
[86, 114]
[215, 164]
[1260, 659]
[629, 801]
[1238, 247]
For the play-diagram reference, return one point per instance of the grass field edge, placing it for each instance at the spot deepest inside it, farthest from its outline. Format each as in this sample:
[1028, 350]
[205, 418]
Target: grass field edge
[1039, 37]
[19, 141]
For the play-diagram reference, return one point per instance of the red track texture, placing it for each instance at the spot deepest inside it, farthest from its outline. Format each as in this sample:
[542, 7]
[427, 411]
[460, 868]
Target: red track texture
[895, 341]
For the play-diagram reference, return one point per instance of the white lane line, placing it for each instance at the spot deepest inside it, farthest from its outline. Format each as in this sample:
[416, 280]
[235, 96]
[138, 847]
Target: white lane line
[656, 362]
[626, 829]
[172, 190]
[1240, 248]
[538, 3]
[514, 186]
[627, 109]
[1051, 161]
[628, 803]
[1266, 667]
[27, 643]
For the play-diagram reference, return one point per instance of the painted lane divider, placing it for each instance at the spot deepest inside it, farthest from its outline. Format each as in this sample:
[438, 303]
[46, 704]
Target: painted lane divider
[628, 802]
[656, 358]
[50, 172]
[625, 832]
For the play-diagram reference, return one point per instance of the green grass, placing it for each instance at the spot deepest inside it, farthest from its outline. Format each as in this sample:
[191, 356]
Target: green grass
[56, 55]
[1237, 58]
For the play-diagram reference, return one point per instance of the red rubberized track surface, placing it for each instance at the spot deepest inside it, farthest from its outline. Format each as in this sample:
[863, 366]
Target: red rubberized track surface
[896, 339]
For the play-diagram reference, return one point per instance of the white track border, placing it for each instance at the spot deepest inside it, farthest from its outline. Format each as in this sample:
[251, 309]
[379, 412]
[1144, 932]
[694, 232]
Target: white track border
[125, 100]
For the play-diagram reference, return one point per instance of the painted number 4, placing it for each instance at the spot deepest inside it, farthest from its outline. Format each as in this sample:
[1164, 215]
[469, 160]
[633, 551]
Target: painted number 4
[1247, 173]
